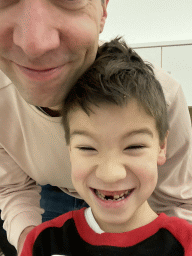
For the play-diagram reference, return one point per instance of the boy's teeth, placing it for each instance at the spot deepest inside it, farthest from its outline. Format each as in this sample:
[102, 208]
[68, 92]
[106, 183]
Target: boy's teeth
[112, 198]
[117, 196]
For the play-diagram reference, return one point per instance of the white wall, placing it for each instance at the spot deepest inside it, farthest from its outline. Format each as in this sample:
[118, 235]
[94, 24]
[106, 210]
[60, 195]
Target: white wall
[142, 21]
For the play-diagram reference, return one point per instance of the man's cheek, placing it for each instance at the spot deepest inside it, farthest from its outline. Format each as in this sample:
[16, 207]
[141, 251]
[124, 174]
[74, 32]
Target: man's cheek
[86, 33]
[6, 36]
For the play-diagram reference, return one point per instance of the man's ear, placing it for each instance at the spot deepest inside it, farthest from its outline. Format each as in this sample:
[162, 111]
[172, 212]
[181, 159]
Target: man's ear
[104, 15]
[162, 151]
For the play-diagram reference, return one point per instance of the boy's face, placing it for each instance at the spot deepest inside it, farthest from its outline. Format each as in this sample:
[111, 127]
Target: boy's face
[114, 155]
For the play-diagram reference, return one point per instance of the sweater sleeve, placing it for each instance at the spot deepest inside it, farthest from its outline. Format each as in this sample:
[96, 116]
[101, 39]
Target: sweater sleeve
[19, 198]
[173, 194]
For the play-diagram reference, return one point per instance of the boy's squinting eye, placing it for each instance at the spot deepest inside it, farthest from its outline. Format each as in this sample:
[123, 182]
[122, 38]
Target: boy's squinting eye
[135, 147]
[84, 148]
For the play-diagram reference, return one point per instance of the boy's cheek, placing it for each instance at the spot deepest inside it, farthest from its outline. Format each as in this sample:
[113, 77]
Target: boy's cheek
[79, 171]
[77, 175]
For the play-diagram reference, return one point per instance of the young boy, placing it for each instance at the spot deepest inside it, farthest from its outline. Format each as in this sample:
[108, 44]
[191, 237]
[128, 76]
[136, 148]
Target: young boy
[115, 120]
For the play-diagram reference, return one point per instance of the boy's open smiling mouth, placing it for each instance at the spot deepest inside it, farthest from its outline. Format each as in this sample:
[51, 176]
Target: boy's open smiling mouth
[112, 196]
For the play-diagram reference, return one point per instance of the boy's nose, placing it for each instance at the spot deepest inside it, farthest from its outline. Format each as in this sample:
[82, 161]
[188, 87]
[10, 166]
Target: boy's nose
[34, 32]
[111, 171]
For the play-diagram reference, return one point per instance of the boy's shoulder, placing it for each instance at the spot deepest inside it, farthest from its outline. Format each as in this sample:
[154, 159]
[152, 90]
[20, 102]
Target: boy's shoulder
[47, 229]
[180, 229]
[175, 223]
[55, 223]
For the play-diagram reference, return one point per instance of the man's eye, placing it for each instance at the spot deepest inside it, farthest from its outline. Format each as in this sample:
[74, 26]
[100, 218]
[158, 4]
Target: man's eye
[7, 3]
[74, 1]
[72, 4]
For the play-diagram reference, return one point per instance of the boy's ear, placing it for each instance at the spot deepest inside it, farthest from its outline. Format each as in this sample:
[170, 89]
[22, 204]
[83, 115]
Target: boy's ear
[162, 151]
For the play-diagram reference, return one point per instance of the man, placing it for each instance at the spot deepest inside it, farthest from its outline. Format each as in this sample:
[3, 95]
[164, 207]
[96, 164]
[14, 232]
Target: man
[44, 47]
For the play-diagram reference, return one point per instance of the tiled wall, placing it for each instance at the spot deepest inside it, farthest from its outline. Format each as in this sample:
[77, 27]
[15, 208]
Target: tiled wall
[174, 58]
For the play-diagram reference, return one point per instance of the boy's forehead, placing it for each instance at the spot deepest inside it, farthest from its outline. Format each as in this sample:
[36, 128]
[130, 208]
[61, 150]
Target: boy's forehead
[94, 111]
[112, 119]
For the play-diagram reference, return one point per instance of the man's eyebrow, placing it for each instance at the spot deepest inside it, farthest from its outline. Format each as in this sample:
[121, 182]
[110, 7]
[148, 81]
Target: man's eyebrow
[144, 131]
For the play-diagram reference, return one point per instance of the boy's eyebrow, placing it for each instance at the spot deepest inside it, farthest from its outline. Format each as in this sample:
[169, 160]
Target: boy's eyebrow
[139, 131]
[80, 132]
[128, 134]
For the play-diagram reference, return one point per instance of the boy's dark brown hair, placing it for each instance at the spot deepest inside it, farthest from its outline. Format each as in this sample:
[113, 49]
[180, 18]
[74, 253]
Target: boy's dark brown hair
[117, 76]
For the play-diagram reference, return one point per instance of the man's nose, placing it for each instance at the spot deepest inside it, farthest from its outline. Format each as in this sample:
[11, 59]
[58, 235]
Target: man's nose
[111, 171]
[34, 30]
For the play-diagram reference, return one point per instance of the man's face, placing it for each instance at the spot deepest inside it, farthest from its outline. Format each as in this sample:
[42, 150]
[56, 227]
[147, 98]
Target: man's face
[114, 156]
[45, 45]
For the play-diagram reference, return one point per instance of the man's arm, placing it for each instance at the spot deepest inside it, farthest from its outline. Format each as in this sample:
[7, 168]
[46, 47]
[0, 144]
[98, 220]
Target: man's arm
[19, 198]
[173, 194]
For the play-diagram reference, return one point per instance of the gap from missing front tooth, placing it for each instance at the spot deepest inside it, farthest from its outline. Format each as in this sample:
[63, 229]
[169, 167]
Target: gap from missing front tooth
[111, 198]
